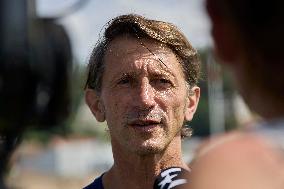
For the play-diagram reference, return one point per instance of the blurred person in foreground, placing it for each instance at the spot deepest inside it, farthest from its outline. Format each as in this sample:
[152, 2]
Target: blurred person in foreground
[142, 80]
[249, 38]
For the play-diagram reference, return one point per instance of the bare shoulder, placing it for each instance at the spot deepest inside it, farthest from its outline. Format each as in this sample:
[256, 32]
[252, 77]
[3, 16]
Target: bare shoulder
[238, 145]
[239, 160]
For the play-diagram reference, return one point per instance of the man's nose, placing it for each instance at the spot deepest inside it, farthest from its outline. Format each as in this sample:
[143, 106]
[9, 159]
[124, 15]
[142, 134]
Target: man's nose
[146, 95]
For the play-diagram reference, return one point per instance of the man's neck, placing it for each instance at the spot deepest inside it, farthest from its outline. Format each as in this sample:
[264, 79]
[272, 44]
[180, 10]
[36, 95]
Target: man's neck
[135, 171]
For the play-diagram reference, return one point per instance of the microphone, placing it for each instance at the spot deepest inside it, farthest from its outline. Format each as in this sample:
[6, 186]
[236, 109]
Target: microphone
[172, 177]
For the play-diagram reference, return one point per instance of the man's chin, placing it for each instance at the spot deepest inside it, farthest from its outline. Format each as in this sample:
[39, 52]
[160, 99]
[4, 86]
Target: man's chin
[148, 151]
[149, 148]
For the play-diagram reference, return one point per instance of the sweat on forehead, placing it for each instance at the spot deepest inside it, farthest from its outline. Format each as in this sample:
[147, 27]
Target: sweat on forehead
[127, 45]
[141, 54]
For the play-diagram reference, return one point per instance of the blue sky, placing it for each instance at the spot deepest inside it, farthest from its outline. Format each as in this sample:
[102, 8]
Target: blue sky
[85, 25]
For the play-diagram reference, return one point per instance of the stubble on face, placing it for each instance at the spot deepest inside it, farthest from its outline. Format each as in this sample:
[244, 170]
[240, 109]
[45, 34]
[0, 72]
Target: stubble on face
[144, 99]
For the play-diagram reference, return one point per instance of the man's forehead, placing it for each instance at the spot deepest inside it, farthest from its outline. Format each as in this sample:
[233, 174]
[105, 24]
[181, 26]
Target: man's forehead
[127, 54]
[128, 47]
[125, 45]
[149, 66]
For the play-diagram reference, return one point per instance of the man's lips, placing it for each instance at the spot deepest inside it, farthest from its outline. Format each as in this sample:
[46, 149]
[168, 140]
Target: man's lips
[144, 123]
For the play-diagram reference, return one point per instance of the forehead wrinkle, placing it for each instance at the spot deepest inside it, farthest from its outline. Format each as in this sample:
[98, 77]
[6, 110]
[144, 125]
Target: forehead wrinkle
[144, 69]
[155, 53]
[151, 60]
[163, 68]
[150, 69]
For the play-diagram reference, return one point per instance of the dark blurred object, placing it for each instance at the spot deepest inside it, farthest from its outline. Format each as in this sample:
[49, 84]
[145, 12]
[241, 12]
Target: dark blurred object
[35, 59]
[173, 177]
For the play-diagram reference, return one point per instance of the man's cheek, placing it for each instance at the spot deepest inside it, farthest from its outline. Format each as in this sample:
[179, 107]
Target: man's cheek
[178, 109]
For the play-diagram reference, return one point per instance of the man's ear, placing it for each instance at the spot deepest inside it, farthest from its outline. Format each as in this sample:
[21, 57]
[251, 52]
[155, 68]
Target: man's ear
[192, 103]
[224, 33]
[94, 102]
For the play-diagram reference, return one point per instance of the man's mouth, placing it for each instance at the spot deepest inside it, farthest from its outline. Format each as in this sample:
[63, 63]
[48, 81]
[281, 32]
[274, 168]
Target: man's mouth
[145, 125]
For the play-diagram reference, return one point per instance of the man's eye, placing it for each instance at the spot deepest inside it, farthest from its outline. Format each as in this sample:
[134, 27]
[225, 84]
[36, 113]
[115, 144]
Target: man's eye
[124, 81]
[162, 82]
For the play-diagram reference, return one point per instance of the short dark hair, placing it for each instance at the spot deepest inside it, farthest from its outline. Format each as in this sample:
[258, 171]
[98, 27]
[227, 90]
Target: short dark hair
[140, 27]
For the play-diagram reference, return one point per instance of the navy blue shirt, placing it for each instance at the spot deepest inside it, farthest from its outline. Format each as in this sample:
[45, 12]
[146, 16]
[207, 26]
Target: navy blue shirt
[97, 184]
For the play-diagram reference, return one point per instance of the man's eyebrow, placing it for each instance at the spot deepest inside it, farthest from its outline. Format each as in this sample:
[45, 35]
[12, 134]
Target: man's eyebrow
[123, 75]
[166, 73]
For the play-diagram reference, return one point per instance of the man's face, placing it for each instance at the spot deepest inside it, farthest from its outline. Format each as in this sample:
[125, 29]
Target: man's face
[144, 97]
